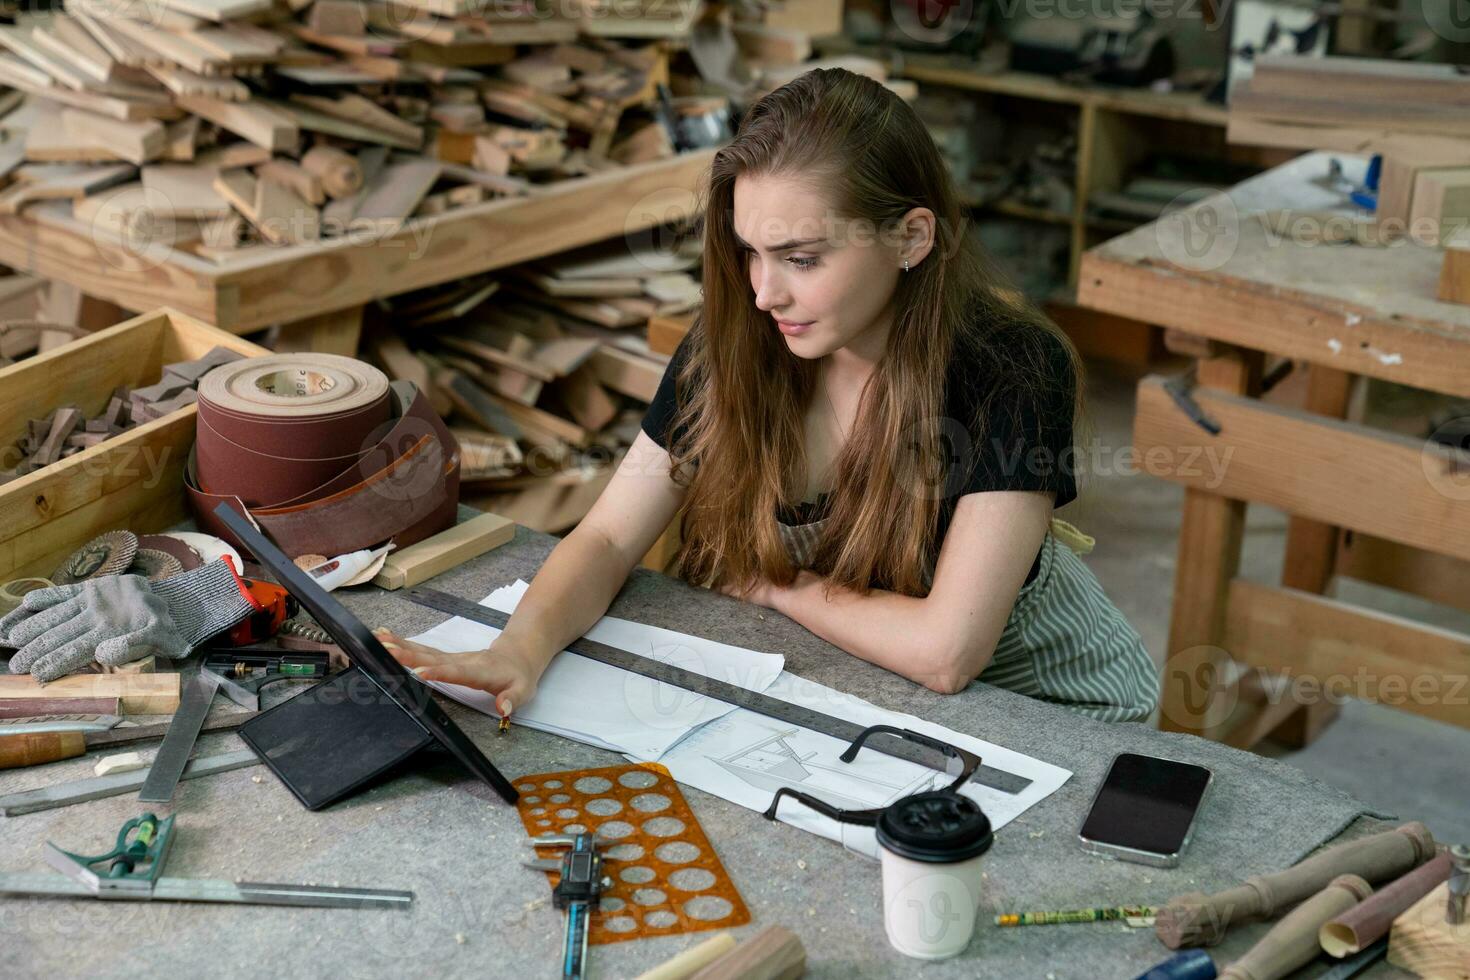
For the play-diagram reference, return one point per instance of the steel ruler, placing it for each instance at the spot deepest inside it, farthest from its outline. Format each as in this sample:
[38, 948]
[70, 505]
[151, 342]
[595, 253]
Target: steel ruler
[764, 704]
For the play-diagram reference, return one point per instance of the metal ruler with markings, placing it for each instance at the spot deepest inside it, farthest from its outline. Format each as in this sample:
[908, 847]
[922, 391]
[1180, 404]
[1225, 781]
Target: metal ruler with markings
[764, 704]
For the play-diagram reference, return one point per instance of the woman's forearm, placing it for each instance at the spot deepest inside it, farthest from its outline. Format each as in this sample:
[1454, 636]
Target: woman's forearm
[570, 592]
[894, 631]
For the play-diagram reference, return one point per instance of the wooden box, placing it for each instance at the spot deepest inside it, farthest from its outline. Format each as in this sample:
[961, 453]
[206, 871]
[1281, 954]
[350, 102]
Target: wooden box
[133, 480]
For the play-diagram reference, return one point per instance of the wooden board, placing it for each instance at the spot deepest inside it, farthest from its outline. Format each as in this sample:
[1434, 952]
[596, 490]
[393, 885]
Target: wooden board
[1382, 483]
[184, 191]
[1374, 656]
[138, 694]
[257, 123]
[1454, 277]
[1427, 946]
[396, 192]
[443, 551]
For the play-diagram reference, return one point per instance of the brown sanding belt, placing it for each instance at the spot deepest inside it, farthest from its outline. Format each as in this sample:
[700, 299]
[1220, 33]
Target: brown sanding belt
[323, 453]
[666, 877]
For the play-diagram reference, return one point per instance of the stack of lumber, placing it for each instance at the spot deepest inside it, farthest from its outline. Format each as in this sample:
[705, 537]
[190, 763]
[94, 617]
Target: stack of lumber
[242, 122]
[1412, 114]
[542, 371]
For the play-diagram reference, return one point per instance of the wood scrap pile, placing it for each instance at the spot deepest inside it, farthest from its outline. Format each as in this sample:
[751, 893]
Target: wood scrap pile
[747, 48]
[66, 431]
[237, 122]
[1412, 114]
[542, 371]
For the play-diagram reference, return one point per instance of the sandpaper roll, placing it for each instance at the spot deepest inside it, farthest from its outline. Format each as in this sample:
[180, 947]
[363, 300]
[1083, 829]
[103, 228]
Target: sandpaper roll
[1363, 924]
[322, 453]
[275, 428]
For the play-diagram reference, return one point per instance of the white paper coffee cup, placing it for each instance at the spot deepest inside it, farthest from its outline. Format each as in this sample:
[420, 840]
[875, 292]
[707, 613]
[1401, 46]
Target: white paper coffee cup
[931, 846]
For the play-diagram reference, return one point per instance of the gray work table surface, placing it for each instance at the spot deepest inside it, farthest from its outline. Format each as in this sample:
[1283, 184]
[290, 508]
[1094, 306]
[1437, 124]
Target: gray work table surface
[478, 913]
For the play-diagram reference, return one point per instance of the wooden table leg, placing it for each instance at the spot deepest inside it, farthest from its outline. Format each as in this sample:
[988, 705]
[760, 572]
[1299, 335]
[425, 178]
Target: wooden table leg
[328, 333]
[1311, 552]
[1210, 536]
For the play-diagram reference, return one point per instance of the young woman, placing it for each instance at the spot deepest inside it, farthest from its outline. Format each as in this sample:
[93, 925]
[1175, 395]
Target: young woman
[864, 433]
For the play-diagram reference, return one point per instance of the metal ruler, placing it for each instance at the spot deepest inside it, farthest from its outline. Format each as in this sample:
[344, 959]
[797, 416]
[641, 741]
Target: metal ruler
[764, 704]
[217, 890]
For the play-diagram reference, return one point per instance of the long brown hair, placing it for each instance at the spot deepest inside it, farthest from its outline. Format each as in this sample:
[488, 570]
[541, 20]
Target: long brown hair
[743, 395]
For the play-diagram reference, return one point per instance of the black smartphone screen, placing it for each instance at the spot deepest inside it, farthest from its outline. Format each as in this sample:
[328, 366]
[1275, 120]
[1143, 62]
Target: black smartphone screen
[1146, 804]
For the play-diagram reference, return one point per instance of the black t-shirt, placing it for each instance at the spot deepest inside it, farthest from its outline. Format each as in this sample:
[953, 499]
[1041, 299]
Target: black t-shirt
[1008, 424]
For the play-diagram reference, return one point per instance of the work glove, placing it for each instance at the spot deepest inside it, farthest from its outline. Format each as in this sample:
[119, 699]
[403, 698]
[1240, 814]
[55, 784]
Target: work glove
[117, 619]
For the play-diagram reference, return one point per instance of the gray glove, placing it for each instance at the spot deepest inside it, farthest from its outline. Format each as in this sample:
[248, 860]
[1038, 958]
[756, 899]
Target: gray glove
[120, 618]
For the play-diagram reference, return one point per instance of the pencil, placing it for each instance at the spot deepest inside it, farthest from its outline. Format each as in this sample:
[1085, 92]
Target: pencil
[1114, 914]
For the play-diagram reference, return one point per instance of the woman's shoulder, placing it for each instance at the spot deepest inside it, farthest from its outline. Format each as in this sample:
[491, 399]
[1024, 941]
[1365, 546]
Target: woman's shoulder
[1006, 353]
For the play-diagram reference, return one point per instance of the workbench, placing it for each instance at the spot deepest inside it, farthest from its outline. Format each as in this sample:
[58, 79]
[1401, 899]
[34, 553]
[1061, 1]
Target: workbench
[1386, 507]
[477, 912]
[316, 291]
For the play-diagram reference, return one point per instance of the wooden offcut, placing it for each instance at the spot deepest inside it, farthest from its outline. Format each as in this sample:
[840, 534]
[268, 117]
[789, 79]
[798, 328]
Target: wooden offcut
[137, 694]
[443, 551]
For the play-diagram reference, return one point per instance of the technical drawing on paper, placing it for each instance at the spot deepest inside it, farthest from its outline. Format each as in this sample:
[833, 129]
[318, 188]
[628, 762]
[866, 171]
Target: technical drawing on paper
[797, 758]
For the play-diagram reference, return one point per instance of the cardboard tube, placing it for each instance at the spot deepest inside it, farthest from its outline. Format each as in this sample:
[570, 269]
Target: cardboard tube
[1293, 942]
[1366, 922]
[1197, 919]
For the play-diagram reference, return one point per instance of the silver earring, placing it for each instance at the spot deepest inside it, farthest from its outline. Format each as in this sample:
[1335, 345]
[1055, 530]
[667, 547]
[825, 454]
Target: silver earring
[905, 265]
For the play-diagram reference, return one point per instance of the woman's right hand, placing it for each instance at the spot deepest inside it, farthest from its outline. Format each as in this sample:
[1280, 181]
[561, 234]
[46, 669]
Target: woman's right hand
[506, 673]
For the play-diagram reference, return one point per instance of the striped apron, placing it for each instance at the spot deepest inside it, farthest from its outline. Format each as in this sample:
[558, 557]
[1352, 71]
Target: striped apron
[1064, 642]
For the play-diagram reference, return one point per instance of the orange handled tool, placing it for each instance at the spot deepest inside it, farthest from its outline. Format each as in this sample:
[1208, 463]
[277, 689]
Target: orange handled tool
[34, 748]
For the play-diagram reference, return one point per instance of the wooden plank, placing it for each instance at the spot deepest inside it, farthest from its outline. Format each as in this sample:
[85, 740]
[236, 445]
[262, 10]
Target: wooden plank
[173, 47]
[360, 115]
[138, 694]
[315, 121]
[1454, 276]
[14, 73]
[183, 82]
[1438, 578]
[137, 142]
[218, 10]
[396, 192]
[260, 124]
[1351, 651]
[65, 40]
[338, 332]
[443, 551]
[1335, 472]
[586, 400]
[184, 191]
[18, 40]
[627, 373]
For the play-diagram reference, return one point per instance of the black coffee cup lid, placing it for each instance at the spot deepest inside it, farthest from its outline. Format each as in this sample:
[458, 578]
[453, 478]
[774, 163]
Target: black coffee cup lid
[940, 827]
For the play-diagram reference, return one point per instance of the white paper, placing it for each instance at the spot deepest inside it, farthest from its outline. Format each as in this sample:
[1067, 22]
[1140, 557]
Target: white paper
[614, 709]
[744, 757]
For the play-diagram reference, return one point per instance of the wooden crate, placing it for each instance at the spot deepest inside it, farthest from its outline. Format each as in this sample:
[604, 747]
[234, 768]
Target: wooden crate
[133, 480]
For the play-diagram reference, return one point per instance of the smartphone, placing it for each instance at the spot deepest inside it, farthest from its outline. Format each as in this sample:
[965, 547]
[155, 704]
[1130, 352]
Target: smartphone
[1144, 811]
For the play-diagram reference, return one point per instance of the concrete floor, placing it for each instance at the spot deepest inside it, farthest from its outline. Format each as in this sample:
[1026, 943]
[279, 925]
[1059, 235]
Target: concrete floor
[1395, 761]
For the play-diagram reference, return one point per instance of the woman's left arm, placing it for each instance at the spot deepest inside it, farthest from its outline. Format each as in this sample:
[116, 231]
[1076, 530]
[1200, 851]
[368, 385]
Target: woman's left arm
[947, 638]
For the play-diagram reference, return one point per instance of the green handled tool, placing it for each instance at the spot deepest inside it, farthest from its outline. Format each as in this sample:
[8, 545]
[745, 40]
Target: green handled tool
[133, 871]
